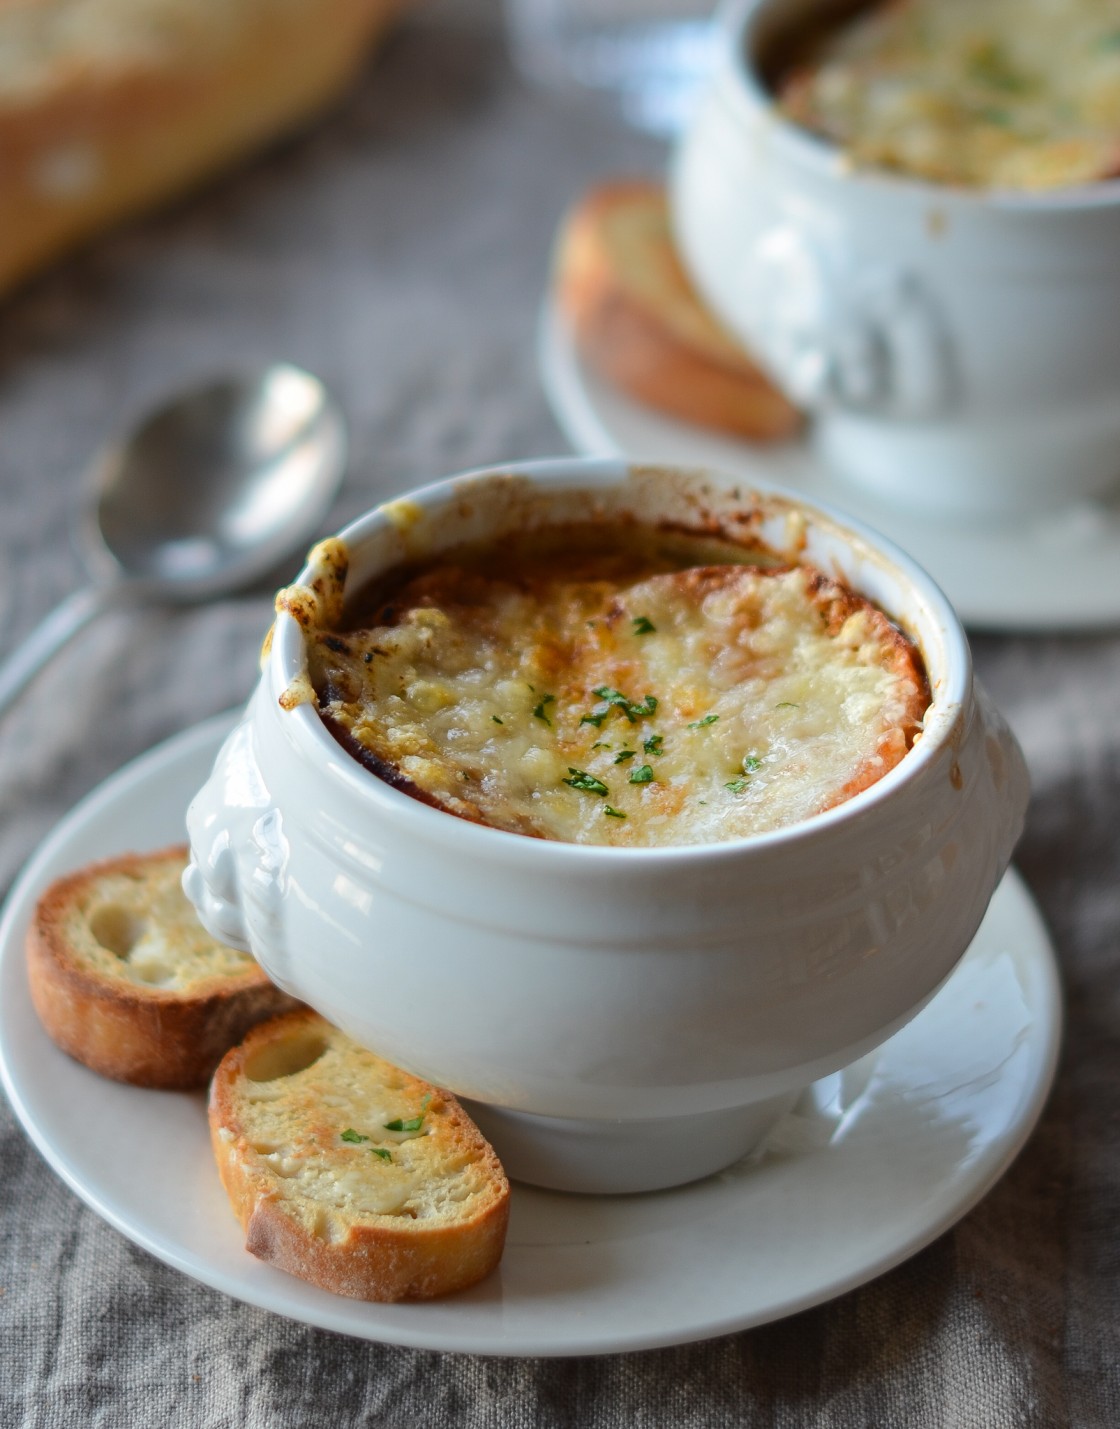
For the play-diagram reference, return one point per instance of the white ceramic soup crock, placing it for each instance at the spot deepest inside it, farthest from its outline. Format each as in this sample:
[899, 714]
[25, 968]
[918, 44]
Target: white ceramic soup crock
[618, 1019]
[959, 348]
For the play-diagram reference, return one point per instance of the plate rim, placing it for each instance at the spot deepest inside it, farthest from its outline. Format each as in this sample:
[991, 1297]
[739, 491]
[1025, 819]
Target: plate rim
[338, 1314]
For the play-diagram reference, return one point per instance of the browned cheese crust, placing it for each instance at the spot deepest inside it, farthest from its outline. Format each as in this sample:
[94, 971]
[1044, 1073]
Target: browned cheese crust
[152, 1036]
[638, 321]
[374, 1214]
[100, 138]
[627, 707]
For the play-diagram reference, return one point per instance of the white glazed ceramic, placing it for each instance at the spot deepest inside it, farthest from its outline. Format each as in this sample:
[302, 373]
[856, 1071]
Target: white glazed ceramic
[873, 1164]
[960, 348]
[616, 1014]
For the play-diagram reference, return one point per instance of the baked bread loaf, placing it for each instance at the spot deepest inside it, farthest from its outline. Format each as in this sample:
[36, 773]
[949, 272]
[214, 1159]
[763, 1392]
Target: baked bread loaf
[349, 1173]
[126, 980]
[639, 323]
[109, 106]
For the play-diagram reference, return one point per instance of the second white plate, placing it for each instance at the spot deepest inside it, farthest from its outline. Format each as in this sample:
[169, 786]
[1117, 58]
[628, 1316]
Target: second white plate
[876, 1162]
[1060, 572]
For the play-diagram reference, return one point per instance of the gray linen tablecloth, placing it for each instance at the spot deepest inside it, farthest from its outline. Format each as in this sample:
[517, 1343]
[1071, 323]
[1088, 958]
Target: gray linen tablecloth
[401, 250]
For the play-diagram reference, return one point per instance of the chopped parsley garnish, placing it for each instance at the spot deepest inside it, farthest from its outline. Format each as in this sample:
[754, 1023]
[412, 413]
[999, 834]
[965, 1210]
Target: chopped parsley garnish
[580, 779]
[414, 1123]
[613, 813]
[497, 720]
[991, 65]
[351, 1135]
[380, 1151]
[599, 744]
[539, 709]
[751, 763]
[653, 744]
[632, 709]
[643, 625]
[597, 717]
[787, 705]
[700, 723]
[624, 756]
[737, 785]
[643, 775]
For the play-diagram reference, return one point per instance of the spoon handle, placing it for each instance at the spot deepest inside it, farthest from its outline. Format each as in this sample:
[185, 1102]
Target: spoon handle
[50, 635]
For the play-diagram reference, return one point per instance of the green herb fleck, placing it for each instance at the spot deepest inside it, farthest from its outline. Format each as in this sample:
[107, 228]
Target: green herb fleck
[596, 717]
[643, 625]
[751, 763]
[600, 744]
[414, 1123]
[613, 813]
[787, 705]
[643, 708]
[653, 744]
[380, 1151]
[644, 775]
[632, 709]
[351, 1135]
[992, 66]
[737, 785]
[539, 710]
[701, 723]
[497, 720]
[624, 756]
[582, 780]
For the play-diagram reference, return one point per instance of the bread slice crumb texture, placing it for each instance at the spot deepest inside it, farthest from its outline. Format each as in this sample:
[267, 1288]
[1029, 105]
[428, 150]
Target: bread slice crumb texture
[137, 924]
[126, 980]
[350, 1173]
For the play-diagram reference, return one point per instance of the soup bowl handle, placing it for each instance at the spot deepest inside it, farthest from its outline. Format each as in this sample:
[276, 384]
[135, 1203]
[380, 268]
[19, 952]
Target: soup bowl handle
[238, 873]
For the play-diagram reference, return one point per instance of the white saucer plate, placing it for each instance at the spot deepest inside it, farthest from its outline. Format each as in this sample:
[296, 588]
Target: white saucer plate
[1060, 572]
[875, 1163]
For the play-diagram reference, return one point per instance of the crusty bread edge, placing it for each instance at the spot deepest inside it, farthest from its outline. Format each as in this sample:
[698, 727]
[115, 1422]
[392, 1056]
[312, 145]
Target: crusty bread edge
[628, 344]
[388, 1262]
[149, 1037]
[154, 133]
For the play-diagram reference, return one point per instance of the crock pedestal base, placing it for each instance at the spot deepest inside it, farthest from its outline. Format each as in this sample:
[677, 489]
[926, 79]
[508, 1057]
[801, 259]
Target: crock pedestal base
[617, 1157]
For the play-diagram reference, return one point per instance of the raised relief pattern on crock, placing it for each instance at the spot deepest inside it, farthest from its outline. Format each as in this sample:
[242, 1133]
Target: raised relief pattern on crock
[841, 333]
[237, 877]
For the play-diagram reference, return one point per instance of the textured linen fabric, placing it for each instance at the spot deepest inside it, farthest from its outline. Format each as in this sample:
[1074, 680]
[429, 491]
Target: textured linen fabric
[400, 250]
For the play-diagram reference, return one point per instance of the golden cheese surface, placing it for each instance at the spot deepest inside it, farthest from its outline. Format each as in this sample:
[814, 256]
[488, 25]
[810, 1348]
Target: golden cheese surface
[606, 701]
[1015, 94]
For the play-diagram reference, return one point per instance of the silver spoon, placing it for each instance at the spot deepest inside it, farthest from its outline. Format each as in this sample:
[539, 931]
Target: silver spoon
[208, 494]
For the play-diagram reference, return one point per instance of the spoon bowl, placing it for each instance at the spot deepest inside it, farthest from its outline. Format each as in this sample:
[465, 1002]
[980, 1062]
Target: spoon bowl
[205, 496]
[215, 488]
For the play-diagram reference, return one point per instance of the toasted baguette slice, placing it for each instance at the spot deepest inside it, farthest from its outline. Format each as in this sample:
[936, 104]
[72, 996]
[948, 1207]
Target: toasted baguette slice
[126, 979]
[349, 1173]
[108, 107]
[638, 321]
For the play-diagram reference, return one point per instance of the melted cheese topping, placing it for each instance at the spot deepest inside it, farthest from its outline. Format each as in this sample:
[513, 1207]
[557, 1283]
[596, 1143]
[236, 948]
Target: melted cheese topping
[676, 707]
[1019, 94]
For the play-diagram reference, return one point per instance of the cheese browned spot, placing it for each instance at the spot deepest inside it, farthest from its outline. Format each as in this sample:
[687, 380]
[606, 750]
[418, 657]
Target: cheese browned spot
[670, 707]
[1018, 94]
